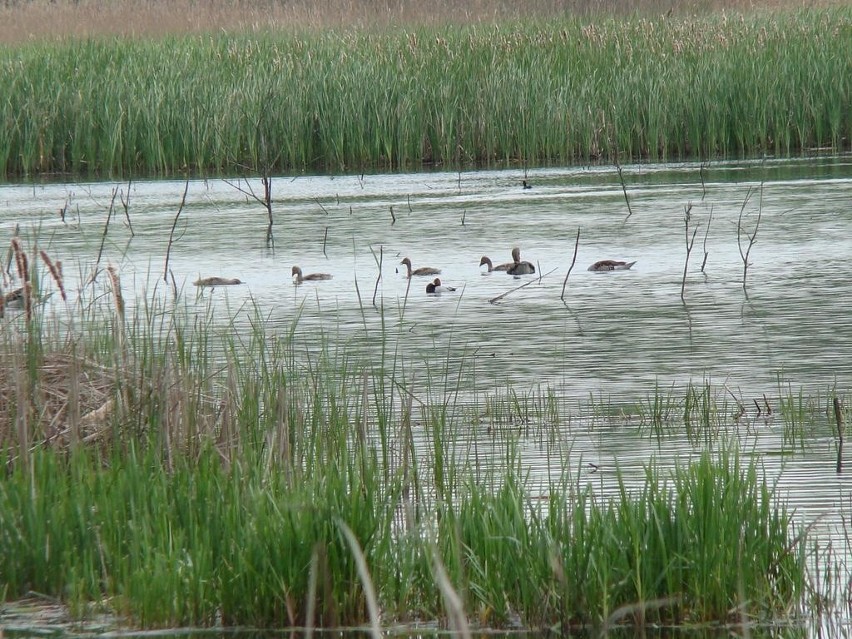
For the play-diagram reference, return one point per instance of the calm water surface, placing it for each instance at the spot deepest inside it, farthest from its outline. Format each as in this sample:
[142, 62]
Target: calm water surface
[614, 339]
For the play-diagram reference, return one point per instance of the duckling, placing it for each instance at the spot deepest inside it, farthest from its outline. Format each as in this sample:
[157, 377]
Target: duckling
[526, 185]
[486, 261]
[602, 266]
[298, 278]
[436, 288]
[518, 267]
[424, 270]
[217, 281]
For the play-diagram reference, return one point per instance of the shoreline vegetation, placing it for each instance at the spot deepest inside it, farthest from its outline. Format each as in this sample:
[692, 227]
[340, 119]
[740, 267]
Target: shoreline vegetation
[160, 468]
[546, 88]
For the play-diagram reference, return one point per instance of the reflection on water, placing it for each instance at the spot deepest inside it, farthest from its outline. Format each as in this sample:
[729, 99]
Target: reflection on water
[616, 337]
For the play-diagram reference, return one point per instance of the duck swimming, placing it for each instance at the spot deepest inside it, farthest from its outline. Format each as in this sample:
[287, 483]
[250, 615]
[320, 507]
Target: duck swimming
[14, 297]
[312, 277]
[217, 281]
[424, 270]
[436, 288]
[602, 266]
[518, 267]
[486, 261]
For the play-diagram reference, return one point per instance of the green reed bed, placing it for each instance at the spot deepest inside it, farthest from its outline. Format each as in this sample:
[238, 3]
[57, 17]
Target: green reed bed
[210, 476]
[563, 91]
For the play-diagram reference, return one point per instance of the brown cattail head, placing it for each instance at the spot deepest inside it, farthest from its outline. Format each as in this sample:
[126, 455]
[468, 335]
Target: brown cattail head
[55, 272]
[116, 290]
[21, 260]
[28, 300]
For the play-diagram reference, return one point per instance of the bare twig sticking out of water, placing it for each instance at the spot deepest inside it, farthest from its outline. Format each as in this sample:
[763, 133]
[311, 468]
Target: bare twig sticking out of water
[838, 418]
[125, 204]
[319, 204]
[324, 240]
[687, 215]
[379, 276]
[740, 407]
[701, 171]
[623, 189]
[172, 232]
[104, 234]
[565, 281]
[752, 237]
[264, 200]
[463, 215]
[494, 300]
[393, 217]
[410, 210]
[706, 233]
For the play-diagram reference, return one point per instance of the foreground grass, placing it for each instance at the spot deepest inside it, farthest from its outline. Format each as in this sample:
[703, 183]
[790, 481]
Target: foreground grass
[564, 91]
[178, 476]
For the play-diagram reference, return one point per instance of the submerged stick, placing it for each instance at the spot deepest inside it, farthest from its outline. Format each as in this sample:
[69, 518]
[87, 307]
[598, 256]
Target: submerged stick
[379, 276]
[624, 190]
[752, 237]
[172, 232]
[689, 243]
[565, 281]
[706, 233]
[104, 234]
[838, 417]
[125, 203]
[518, 288]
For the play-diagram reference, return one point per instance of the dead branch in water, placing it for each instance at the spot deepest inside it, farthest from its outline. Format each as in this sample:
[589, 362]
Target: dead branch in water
[494, 300]
[752, 237]
[838, 418]
[172, 232]
[125, 204]
[573, 261]
[110, 211]
[379, 277]
[623, 189]
[706, 233]
[689, 242]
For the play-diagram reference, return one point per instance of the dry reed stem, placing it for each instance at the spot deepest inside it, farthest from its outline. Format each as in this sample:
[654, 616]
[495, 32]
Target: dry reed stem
[118, 298]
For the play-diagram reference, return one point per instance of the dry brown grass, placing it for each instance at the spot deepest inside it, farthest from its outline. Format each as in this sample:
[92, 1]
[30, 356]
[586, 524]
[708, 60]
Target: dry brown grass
[72, 399]
[22, 20]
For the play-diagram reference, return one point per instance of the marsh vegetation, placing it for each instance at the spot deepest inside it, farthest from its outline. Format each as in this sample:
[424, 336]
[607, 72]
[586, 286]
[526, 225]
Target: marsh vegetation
[562, 91]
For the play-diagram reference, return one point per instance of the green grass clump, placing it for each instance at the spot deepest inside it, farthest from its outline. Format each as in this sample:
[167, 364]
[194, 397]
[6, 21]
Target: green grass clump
[564, 91]
[201, 479]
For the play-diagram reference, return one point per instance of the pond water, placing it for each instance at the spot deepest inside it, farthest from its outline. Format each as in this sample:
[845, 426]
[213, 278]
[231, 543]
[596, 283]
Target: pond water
[614, 339]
